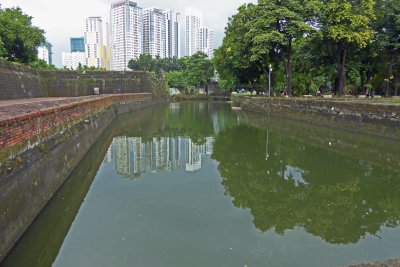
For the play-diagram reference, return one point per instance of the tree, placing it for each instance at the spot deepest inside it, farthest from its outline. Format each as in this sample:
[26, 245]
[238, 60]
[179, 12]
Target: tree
[387, 27]
[176, 79]
[277, 24]
[18, 37]
[144, 63]
[347, 23]
[198, 69]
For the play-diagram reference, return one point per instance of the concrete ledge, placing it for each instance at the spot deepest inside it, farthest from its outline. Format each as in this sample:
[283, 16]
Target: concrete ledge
[372, 118]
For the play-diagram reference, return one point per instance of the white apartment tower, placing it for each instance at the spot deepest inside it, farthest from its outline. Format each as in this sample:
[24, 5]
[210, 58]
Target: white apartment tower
[173, 34]
[154, 32]
[205, 41]
[197, 38]
[72, 60]
[126, 33]
[193, 24]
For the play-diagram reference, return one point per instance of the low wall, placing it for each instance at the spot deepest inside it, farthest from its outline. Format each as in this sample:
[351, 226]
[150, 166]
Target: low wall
[30, 179]
[375, 119]
[17, 81]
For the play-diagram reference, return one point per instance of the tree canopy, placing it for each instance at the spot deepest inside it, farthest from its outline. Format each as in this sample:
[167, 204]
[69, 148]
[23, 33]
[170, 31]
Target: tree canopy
[18, 37]
[328, 45]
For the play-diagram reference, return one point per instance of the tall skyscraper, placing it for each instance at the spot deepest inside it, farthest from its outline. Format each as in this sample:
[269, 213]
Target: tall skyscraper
[173, 34]
[205, 41]
[193, 24]
[77, 44]
[154, 32]
[126, 33]
[197, 37]
[96, 51]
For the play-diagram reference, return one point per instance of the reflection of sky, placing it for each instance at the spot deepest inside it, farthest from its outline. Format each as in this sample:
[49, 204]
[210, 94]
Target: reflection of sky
[293, 174]
[133, 156]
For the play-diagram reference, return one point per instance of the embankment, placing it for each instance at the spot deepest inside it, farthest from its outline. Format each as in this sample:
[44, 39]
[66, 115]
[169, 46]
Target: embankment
[40, 149]
[17, 81]
[370, 118]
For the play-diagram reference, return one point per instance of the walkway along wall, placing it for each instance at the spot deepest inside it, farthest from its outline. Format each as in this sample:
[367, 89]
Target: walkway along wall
[376, 119]
[17, 81]
[27, 179]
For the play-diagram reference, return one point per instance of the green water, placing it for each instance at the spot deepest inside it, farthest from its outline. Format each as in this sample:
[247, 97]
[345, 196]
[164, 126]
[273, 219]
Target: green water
[197, 184]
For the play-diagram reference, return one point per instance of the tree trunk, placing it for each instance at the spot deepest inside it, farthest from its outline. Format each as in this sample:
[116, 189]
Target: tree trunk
[390, 73]
[288, 69]
[342, 69]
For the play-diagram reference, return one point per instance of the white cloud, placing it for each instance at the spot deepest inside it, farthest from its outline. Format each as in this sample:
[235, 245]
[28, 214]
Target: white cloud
[64, 19]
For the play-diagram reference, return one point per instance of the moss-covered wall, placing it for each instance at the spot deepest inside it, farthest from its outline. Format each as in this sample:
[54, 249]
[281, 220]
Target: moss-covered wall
[365, 118]
[31, 178]
[22, 82]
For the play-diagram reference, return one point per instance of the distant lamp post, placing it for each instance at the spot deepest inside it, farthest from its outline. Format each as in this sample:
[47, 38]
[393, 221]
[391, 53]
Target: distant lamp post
[269, 80]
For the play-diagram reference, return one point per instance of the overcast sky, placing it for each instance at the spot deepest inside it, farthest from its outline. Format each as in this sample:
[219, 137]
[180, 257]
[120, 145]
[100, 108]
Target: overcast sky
[64, 19]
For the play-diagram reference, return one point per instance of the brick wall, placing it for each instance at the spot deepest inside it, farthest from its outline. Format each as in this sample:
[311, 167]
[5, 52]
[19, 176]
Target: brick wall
[20, 133]
[18, 81]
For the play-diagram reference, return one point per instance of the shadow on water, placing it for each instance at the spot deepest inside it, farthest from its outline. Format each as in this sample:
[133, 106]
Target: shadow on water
[334, 185]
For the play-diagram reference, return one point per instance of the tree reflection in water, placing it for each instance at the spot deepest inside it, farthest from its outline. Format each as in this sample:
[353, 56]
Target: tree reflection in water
[287, 183]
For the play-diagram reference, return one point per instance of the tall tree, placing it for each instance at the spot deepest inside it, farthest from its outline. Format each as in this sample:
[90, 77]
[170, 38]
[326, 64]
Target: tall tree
[347, 23]
[276, 25]
[198, 69]
[387, 27]
[19, 37]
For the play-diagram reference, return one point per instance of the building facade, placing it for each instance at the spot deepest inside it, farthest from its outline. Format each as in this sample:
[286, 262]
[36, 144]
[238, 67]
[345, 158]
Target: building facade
[97, 54]
[154, 32]
[197, 37]
[126, 33]
[173, 34]
[77, 44]
[192, 26]
[72, 60]
[45, 53]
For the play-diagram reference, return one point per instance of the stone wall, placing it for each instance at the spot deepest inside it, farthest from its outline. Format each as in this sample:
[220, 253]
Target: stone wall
[30, 179]
[377, 119]
[17, 81]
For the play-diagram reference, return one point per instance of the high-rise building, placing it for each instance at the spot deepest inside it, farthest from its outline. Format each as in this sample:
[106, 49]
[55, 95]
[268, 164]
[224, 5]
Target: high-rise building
[77, 44]
[72, 60]
[197, 37]
[96, 51]
[45, 53]
[173, 34]
[193, 24]
[154, 32]
[126, 33]
[205, 41]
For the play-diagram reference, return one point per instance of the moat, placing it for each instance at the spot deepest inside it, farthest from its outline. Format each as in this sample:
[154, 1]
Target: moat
[198, 184]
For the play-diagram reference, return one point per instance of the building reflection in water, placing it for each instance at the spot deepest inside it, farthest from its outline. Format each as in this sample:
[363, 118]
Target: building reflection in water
[134, 155]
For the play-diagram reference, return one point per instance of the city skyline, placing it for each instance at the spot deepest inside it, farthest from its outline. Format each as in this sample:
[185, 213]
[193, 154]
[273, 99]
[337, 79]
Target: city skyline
[48, 16]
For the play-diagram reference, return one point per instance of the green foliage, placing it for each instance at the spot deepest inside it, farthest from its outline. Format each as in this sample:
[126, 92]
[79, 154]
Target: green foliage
[176, 79]
[158, 65]
[18, 38]
[41, 65]
[198, 69]
[320, 44]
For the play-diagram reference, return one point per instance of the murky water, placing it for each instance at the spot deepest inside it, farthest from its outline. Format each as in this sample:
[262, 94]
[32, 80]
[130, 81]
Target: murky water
[196, 184]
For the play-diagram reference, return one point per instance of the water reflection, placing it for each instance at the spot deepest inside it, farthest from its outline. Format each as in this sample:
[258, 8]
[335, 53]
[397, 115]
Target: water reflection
[288, 184]
[134, 156]
[277, 175]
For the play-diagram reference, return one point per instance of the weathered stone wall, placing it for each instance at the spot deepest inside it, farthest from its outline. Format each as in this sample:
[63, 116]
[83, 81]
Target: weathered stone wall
[30, 179]
[366, 118]
[22, 82]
